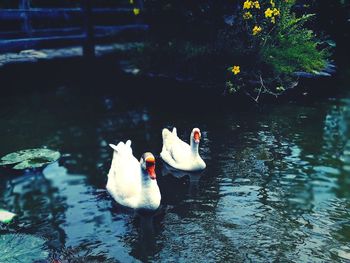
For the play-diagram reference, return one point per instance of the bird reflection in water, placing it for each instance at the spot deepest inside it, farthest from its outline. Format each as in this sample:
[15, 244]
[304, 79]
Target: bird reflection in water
[194, 177]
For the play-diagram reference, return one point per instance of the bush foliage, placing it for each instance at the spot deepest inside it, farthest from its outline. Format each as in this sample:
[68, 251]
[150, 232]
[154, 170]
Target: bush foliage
[253, 46]
[281, 45]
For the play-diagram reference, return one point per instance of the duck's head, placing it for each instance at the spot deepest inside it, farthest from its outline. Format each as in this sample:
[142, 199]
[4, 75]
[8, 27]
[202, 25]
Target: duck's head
[196, 135]
[148, 164]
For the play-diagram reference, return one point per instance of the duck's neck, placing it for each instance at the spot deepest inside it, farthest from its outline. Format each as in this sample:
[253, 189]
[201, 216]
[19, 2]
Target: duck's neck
[146, 180]
[194, 147]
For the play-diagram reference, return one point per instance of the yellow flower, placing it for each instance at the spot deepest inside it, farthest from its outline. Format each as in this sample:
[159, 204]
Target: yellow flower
[268, 12]
[256, 30]
[273, 20]
[131, 2]
[247, 15]
[236, 70]
[276, 12]
[257, 5]
[136, 11]
[247, 4]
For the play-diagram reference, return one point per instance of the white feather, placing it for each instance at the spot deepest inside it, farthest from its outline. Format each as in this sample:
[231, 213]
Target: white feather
[179, 154]
[128, 184]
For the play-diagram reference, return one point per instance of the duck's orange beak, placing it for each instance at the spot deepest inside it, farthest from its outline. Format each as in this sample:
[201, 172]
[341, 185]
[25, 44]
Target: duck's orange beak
[151, 167]
[196, 136]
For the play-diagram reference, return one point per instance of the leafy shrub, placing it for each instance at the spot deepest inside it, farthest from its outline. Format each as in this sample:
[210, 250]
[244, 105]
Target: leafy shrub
[256, 45]
[281, 45]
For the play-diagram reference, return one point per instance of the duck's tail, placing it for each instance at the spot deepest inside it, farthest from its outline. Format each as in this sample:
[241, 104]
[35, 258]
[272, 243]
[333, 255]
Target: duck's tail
[174, 131]
[118, 147]
[166, 134]
[122, 147]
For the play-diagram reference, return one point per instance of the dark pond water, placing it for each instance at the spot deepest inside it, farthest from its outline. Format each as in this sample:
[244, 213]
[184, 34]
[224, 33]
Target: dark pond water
[276, 187]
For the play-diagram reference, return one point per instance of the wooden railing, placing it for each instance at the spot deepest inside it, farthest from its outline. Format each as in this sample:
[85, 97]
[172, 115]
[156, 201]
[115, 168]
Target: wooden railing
[39, 27]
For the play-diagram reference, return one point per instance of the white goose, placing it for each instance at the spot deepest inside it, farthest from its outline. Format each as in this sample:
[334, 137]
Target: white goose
[132, 183]
[179, 154]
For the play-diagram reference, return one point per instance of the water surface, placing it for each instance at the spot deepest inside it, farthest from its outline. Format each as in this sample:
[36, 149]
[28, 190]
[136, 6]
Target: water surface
[276, 187]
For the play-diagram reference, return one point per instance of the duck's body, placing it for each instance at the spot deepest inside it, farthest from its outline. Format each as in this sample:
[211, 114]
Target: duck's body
[132, 183]
[179, 154]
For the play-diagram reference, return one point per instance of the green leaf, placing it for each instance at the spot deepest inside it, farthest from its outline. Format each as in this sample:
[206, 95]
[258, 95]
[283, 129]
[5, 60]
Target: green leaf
[30, 158]
[6, 216]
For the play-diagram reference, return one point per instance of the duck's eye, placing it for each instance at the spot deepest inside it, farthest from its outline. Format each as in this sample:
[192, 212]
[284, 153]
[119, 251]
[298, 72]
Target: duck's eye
[150, 163]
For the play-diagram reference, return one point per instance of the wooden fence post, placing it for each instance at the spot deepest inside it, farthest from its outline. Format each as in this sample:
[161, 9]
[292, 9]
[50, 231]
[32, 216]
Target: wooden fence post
[24, 5]
[88, 29]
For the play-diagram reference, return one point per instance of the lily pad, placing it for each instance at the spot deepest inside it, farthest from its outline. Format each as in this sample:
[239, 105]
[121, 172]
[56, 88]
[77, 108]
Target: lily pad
[22, 248]
[6, 216]
[30, 158]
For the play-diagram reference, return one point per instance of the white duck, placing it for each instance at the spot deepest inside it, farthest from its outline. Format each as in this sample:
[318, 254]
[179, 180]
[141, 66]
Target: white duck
[132, 183]
[179, 154]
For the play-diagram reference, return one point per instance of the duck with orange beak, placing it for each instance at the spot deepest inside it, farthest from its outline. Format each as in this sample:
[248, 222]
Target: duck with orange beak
[133, 183]
[181, 155]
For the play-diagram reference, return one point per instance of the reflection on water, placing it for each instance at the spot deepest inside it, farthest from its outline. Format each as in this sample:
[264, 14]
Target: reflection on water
[276, 188]
[193, 178]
